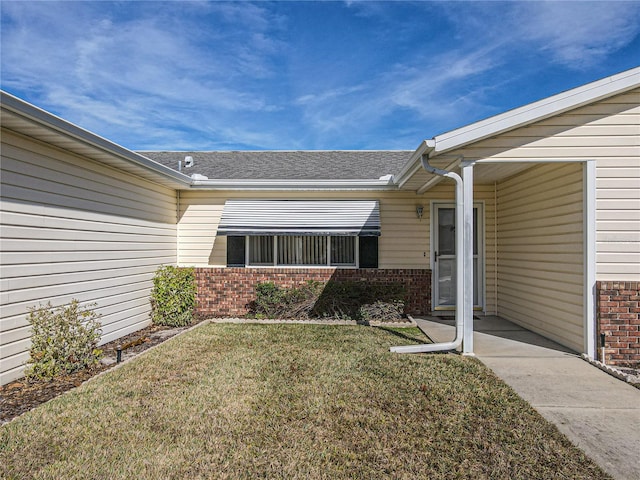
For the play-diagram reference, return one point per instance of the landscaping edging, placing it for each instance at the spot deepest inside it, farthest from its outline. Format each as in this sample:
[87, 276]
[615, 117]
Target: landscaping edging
[620, 375]
[269, 321]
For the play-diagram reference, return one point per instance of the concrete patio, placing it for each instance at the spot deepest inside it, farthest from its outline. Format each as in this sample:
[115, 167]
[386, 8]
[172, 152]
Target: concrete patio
[597, 412]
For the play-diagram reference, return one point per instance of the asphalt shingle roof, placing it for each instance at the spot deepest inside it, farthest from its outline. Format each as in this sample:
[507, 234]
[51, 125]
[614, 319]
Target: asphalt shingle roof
[288, 165]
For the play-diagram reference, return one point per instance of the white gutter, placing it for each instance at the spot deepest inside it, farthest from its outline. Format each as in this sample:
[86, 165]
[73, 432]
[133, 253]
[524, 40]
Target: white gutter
[262, 184]
[427, 147]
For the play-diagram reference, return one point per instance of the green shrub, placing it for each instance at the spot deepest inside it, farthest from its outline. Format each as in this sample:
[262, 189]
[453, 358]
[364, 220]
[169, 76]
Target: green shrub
[338, 300]
[64, 340]
[173, 296]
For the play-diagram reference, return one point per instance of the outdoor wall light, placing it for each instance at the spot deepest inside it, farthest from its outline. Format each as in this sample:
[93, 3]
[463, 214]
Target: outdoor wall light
[419, 211]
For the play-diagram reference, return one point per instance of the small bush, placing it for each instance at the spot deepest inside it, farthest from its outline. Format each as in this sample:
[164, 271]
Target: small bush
[339, 300]
[64, 340]
[349, 299]
[389, 311]
[173, 296]
[273, 301]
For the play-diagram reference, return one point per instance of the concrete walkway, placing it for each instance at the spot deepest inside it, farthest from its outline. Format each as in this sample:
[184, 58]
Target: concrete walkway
[597, 412]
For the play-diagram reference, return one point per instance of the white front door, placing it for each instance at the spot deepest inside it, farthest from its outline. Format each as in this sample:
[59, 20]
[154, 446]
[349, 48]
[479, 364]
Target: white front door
[444, 257]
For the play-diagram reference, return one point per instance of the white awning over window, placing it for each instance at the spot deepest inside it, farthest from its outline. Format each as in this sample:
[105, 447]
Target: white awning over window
[300, 217]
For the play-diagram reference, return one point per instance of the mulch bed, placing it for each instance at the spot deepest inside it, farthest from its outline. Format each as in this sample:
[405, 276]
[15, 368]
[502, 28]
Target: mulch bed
[22, 395]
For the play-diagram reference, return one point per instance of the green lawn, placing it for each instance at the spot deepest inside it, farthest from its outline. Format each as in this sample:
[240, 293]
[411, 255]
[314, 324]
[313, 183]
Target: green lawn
[290, 401]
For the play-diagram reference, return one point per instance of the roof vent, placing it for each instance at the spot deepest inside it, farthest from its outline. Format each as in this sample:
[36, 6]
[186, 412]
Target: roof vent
[188, 161]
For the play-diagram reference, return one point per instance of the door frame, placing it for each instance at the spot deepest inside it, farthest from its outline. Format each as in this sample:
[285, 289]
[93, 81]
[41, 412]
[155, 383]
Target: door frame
[480, 274]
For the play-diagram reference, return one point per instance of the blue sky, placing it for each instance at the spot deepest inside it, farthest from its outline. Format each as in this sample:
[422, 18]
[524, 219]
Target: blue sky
[303, 75]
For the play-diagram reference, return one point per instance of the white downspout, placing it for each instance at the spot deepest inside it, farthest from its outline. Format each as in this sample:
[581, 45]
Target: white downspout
[460, 268]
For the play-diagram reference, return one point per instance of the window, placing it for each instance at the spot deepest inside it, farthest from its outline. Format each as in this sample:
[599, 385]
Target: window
[303, 250]
[343, 251]
[322, 233]
[260, 250]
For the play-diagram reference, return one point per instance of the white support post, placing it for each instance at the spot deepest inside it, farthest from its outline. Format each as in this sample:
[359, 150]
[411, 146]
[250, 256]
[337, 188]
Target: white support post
[589, 190]
[466, 256]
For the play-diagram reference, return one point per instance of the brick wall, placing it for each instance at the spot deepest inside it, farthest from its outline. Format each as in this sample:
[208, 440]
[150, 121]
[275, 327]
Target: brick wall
[226, 292]
[619, 320]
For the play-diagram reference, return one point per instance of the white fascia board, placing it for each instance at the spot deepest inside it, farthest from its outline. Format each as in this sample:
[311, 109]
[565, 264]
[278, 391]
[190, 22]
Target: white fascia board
[297, 185]
[539, 110]
[52, 122]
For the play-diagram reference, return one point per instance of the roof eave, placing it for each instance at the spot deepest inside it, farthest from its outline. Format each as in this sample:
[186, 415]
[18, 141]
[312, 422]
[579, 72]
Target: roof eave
[33, 114]
[294, 185]
[537, 111]
[414, 163]
[519, 117]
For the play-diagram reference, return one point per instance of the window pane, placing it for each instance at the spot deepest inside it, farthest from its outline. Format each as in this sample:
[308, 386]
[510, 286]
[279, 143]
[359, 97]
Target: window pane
[261, 250]
[447, 281]
[302, 250]
[343, 251]
[446, 231]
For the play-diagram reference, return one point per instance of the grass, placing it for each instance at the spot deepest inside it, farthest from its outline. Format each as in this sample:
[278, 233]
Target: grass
[290, 401]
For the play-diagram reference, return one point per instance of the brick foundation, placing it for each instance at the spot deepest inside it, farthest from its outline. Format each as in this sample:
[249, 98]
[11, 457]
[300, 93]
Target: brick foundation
[619, 320]
[227, 292]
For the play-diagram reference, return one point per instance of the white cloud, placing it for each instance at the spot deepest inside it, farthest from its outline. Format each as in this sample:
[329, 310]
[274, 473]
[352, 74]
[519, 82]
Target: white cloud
[578, 34]
[117, 72]
[217, 74]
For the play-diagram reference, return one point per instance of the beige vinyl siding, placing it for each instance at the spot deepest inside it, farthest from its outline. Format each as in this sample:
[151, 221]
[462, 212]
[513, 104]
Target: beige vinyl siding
[609, 133]
[404, 240]
[540, 251]
[604, 130]
[618, 218]
[72, 228]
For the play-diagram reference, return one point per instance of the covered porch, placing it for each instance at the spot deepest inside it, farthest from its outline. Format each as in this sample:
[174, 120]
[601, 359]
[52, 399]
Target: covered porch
[529, 257]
